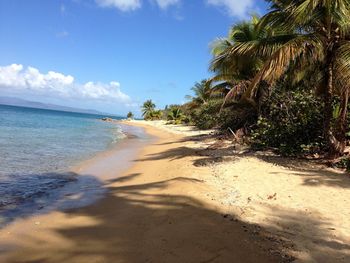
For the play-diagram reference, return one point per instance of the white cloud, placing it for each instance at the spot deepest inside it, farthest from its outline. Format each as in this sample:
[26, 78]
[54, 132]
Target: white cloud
[131, 5]
[15, 79]
[123, 5]
[238, 8]
[164, 4]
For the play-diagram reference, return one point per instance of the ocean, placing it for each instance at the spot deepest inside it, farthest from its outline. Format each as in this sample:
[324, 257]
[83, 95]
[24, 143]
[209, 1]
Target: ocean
[38, 147]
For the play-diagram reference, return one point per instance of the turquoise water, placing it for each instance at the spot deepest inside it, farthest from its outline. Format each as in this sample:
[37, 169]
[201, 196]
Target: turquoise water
[38, 146]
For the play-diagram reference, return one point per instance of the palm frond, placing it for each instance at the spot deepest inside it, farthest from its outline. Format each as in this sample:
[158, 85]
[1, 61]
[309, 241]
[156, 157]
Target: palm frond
[278, 63]
[236, 92]
[342, 66]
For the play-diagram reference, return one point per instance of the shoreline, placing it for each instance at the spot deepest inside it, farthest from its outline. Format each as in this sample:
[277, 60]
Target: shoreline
[118, 156]
[190, 199]
[149, 213]
[101, 168]
[121, 153]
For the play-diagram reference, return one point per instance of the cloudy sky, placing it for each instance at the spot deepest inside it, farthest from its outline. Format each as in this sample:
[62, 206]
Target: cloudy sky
[111, 55]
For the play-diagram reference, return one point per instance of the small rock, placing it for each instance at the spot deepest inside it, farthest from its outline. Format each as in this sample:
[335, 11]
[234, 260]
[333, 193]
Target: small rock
[272, 196]
[106, 119]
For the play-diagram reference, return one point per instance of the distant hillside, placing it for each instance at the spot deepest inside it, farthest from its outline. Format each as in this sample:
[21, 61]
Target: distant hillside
[38, 105]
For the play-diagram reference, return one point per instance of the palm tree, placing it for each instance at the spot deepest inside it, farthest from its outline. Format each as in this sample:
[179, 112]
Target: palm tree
[148, 108]
[234, 71]
[130, 115]
[316, 32]
[202, 92]
[156, 115]
[176, 115]
[233, 66]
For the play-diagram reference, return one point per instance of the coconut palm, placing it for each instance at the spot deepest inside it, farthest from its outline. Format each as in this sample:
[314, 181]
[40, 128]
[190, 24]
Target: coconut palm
[175, 115]
[234, 71]
[155, 115]
[130, 115]
[316, 34]
[229, 66]
[148, 108]
[202, 92]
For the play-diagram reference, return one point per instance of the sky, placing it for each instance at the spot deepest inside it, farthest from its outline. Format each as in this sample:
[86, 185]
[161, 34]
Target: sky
[111, 55]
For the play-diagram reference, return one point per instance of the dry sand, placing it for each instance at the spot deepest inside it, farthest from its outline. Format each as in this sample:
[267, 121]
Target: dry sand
[303, 205]
[183, 130]
[190, 200]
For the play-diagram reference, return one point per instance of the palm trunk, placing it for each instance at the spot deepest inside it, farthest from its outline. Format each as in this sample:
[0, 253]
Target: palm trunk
[328, 111]
[342, 122]
[332, 143]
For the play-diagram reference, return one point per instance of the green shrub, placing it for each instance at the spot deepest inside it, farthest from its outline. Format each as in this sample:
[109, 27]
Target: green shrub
[237, 115]
[290, 121]
[206, 116]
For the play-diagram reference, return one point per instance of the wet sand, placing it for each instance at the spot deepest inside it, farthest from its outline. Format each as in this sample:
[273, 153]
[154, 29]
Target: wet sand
[158, 210]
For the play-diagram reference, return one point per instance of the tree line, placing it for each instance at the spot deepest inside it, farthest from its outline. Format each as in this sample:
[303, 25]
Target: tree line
[280, 80]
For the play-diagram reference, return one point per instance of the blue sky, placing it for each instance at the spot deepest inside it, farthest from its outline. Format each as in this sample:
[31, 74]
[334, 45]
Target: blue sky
[111, 55]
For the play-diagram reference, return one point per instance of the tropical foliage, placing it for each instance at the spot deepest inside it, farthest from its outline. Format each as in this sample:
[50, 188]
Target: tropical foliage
[281, 79]
[202, 93]
[314, 41]
[175, 115]
[149, 111]
[291, 121]
[300, 44]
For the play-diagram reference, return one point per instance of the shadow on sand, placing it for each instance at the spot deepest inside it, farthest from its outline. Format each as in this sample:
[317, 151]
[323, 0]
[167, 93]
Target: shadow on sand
[310, 171]
[133, 224]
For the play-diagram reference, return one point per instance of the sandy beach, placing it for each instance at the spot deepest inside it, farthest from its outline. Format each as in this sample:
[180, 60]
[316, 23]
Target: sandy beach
[188, 198]
[174, 131]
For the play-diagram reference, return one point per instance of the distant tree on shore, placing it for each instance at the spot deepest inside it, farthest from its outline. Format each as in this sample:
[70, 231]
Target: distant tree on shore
[130, 115]
[175, 115]
[156, 115]
[149, 111]
[202, 92]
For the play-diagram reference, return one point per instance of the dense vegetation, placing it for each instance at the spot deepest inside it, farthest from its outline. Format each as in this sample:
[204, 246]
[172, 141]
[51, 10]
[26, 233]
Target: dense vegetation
[149, 111]
[281, 80]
